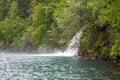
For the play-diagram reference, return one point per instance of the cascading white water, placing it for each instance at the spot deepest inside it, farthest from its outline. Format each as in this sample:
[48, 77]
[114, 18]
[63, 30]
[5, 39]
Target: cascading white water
[74, 44]
[71, 50]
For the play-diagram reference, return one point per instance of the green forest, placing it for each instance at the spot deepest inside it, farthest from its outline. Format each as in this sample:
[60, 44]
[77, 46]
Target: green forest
[39, 24]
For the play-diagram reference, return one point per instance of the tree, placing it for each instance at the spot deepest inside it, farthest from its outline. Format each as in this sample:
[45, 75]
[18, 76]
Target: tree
[4, 8]
[12, 27]
[24, 9]
[42, 21]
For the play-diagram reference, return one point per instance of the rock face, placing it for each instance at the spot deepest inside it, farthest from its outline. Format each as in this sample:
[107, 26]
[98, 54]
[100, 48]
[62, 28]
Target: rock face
[86, 56]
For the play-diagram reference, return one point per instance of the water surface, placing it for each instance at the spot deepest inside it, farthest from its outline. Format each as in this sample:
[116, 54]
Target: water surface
[29, 67]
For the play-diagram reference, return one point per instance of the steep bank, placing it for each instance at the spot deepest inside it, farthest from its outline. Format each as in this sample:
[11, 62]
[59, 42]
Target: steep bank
[101, 33]
[97, 43]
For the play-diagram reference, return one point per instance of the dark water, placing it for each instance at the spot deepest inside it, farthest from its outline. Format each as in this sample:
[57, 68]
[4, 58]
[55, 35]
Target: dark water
[25, 67]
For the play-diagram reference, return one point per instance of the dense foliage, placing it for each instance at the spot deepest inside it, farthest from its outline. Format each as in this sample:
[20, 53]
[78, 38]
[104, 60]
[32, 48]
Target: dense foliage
[26, 24]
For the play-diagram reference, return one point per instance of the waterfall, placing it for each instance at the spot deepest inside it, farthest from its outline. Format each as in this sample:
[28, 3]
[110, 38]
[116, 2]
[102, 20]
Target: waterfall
[72, 48]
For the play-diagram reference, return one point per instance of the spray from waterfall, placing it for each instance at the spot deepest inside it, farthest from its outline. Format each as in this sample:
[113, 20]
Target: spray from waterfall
[71, 50]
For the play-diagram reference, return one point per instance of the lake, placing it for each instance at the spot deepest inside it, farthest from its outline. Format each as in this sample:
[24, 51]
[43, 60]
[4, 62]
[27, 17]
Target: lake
[35, 67]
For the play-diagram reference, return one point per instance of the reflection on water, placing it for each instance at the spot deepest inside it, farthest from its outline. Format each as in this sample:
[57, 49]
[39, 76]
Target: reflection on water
[20, 67]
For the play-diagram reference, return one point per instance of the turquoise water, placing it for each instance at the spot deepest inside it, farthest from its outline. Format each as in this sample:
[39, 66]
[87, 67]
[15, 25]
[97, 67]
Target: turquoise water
[29, 67]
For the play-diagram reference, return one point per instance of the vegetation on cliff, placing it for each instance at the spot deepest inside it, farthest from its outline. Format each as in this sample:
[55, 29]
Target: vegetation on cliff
[27, 24]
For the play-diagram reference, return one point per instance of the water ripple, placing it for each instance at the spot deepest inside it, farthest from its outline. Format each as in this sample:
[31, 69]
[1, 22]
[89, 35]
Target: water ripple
[17, 67]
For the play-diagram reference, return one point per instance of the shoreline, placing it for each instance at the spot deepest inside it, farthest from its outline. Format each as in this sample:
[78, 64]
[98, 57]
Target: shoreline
[99, 58]
[79, 55]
